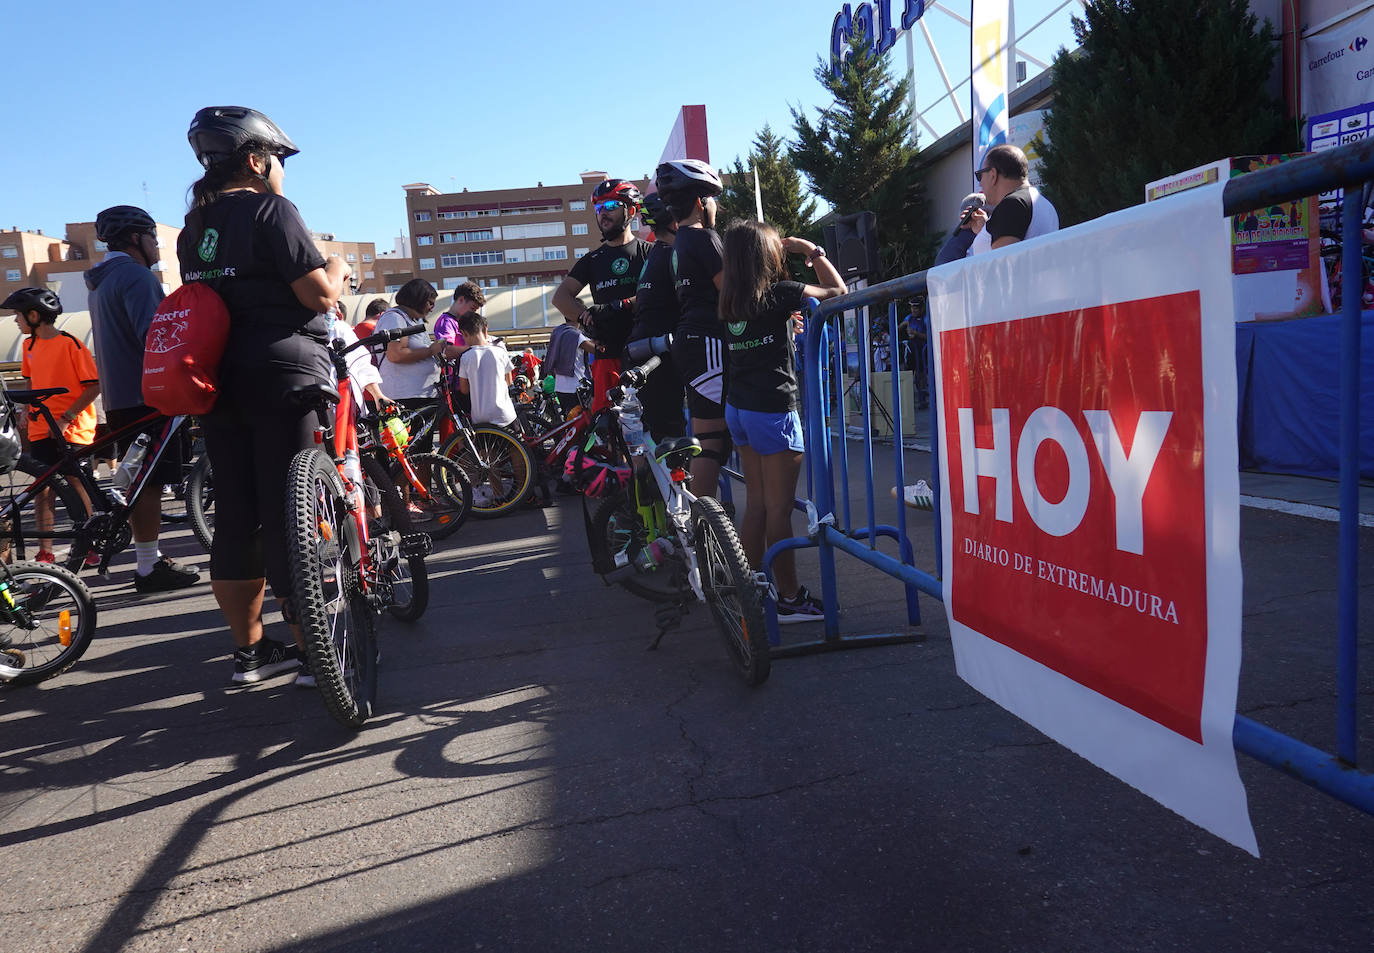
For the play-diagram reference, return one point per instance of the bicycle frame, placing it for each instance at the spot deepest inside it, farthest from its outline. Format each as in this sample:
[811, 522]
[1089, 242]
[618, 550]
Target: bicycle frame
[343, 443]
[107, 507]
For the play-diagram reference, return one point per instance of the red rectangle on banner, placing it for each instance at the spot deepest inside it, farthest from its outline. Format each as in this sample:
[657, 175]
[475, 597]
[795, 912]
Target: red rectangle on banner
[1083, 543]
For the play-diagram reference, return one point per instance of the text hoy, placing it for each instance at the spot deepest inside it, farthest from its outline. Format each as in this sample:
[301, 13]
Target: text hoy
[1128, 474]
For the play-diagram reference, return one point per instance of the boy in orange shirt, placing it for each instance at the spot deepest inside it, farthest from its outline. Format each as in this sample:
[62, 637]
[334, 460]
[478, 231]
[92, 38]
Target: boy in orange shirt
[54, 358]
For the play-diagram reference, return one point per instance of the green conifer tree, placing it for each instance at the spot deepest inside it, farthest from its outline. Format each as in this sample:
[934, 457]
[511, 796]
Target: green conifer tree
[1155, 89]
[861, 155]
[785, 204]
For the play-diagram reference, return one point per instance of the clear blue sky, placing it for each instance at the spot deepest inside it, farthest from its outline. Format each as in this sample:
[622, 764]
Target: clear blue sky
[457, 94]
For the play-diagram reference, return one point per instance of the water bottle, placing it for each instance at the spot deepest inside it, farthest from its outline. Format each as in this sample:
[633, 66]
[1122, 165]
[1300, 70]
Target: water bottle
[647, 560]
[128, 467]
[632, 424]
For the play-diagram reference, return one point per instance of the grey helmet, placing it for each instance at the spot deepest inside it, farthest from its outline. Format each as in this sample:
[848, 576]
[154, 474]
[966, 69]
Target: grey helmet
[218, 132]
[41, 300]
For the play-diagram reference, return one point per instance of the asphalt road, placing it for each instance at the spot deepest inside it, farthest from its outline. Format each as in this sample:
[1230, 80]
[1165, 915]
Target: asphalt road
[537, 780]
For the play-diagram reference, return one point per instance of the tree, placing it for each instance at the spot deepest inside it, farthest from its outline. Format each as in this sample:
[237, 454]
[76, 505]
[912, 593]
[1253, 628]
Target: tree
[861, 155]
[1155, 89]
[785, 205]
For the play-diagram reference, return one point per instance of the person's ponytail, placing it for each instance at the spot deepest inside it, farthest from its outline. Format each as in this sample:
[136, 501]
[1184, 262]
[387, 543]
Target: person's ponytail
[226, 174]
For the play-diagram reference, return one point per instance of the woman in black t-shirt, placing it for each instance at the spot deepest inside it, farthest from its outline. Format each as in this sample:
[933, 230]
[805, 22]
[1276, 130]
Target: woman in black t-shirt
[248, 243]
[758, 308]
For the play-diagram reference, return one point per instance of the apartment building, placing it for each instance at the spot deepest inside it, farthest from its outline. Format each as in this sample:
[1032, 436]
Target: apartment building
[502, 237]
[360, 255]
[21, 252]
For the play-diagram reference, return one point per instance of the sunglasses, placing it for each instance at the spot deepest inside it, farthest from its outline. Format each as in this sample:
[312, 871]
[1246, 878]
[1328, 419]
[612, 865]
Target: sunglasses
[978, 176]
[610, 205]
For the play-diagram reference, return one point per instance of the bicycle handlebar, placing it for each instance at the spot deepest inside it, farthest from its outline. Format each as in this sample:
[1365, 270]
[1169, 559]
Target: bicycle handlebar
[636, 376]
[386, 337]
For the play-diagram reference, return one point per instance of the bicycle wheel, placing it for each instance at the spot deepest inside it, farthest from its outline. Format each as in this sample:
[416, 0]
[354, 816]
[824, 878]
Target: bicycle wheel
[200, 501]
[617, 528]
[47, 620]
[19, 523]
[497, 465]
[449, 496]
[326, 590]
[731, 590]
[400, 566]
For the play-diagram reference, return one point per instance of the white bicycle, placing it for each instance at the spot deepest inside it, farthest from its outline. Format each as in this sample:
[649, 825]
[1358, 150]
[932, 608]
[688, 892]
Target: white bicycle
[658, 540]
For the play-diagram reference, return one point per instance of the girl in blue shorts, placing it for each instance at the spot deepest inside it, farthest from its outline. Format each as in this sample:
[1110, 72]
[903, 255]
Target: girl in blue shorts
[759, 309]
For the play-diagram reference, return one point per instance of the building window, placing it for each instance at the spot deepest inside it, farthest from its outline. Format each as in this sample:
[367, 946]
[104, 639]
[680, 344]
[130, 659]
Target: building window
[472, 235]
[533, 209]
[424, 239]
[515, 255]
[422, 216]
[580, 229]
[13, 274]
[556, 253]
[472, 258]
[368, 275]
[426, 264]
[9, 251]
[579, 252]
[101, 246]
[578, 206]
[351, 258]
[367, 259]
[535, 230]
[392, 288]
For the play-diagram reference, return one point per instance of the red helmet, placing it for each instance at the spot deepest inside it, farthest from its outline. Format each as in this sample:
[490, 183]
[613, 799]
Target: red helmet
[619, 189]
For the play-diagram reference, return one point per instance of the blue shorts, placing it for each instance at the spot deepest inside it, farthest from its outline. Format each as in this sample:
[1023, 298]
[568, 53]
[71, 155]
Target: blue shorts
[764, 432]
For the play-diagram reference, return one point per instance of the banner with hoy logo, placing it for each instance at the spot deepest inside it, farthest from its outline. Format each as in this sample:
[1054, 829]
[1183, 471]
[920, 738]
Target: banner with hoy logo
[1088, 454]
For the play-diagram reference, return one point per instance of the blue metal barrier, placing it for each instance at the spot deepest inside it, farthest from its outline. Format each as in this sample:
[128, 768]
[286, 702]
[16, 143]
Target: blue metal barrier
[831, 526]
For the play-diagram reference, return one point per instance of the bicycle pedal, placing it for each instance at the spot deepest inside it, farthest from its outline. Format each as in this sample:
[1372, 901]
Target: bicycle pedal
[766, 588]
[417, 544]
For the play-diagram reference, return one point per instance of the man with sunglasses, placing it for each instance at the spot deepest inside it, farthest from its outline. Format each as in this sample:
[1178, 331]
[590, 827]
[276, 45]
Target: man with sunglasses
[1019, 211]
[613, 271]
[125, 293]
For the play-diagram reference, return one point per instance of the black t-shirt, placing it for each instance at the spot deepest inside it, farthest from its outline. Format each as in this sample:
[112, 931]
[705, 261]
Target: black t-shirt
[612, 272]
[696, 262]
[249, 247]
[656, 307]
[1012, 216]
[762, 365]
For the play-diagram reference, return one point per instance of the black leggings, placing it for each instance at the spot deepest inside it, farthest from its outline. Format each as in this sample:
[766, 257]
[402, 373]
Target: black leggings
[250, 450]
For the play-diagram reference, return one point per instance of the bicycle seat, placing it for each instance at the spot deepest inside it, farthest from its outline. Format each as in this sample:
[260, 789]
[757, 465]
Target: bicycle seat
[33, 396]
[677, 451]
[312, 395]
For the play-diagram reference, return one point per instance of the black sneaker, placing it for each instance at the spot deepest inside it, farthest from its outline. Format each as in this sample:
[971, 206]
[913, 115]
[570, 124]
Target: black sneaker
[803, 607]
[265, 659]
[166, 576]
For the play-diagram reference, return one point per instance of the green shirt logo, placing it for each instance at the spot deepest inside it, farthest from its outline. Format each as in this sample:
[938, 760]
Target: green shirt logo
[620, 266]
[209, 245]
[737, 327]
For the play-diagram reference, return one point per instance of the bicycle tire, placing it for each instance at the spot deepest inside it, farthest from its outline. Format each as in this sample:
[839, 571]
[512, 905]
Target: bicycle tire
[450, 495]
[731, 590]
[68, 512]
[42, 592]
[200, 500]
[616, 527]
[498, 466]
[407, 579]
[326, 591]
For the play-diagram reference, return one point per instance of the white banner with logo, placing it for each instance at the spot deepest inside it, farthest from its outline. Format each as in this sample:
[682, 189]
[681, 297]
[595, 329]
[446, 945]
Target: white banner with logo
[1088, 448]
[989, 60]
[1338, 66]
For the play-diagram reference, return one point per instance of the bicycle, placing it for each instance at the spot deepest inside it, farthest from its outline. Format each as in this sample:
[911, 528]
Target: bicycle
[439, 492]
[47, 621]
[495, 461]
[342, 573]
[685, 544]
[106, 531]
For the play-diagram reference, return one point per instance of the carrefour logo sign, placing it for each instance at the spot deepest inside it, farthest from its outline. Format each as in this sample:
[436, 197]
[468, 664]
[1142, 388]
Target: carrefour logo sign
[1355, 46]
[873, 22]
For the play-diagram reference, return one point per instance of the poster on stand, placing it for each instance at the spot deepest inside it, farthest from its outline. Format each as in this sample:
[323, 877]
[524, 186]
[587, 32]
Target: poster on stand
[1338, 65]
[1088, 446]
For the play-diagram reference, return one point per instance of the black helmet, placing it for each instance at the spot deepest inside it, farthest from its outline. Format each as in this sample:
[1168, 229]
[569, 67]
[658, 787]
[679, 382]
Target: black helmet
[656, 213]
[618, 189]
[687, 177]
[34, 299]
[218, 132]
[113, 222]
